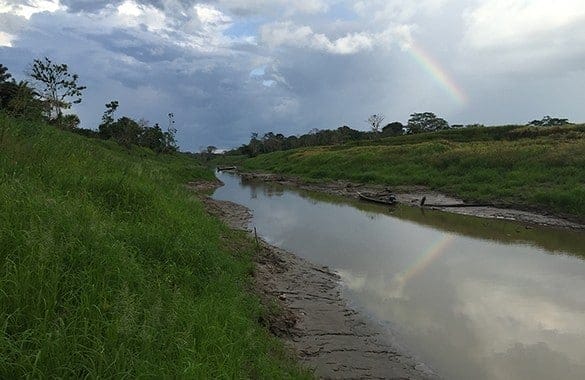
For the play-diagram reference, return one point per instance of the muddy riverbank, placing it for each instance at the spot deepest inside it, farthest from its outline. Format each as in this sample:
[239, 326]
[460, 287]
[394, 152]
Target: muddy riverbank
[316, 322]
[413, 195]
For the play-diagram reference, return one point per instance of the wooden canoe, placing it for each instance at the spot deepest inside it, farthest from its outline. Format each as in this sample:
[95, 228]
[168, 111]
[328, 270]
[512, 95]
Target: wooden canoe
[389, 199]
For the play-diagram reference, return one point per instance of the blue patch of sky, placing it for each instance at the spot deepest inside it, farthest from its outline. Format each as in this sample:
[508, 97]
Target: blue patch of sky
[258, 71]
[244, 28]
[340, 11]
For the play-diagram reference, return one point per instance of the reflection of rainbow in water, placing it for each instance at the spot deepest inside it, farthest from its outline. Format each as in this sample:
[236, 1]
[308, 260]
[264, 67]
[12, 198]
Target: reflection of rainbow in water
[431, 254]
[434, 69]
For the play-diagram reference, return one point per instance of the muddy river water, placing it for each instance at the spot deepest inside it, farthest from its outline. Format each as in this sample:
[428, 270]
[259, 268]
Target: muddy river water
[473, 298]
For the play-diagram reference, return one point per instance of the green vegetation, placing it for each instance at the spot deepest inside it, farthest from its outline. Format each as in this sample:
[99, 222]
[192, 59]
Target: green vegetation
[55, 89]
[111, 268]
[534, 167]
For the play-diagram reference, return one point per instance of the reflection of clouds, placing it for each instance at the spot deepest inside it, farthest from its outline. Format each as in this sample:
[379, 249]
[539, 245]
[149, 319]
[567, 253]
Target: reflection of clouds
[396, 288]
[489, 324]
[535, 361]
[507, 315]
[350, 280]
[273, 191]
[502, 303]
[379, 288]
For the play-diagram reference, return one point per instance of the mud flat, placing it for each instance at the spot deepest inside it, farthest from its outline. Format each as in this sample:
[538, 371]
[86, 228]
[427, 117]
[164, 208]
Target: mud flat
[327, 335]
[413, 195]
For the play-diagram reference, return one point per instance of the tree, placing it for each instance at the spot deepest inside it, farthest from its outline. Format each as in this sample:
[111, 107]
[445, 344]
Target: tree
[393, 129]
[58, 88]
[209, 150]
[4, 74]
[169, 136]
[153, 138]
[7, 89]
[426, 122]
[105, 128]
[19, 100]
[254, 144]
[126, 131]
[108, 116]
[70, 122]
[374, 121]
[548, 121]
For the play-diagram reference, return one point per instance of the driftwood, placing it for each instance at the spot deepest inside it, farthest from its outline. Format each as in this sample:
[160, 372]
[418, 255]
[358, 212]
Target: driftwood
[376, 198]
[458, 205]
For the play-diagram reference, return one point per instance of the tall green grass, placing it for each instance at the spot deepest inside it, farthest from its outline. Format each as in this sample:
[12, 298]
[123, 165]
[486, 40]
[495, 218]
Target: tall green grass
[539, 168]
[111, 268]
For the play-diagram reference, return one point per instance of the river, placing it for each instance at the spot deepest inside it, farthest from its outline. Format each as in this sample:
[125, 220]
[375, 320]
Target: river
[474, 298]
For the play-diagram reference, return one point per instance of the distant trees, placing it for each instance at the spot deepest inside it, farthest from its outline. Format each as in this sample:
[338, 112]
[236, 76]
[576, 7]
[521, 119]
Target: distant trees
[127, 132]
[58, 88]
[69, 122]
[4, 74]
[271, 142]
[152, 137]
[393, 129]
[425, 122]
[18, 99]
[548, 121]
[108, 116]
[374, 122]
[208, 152]
[170, 142]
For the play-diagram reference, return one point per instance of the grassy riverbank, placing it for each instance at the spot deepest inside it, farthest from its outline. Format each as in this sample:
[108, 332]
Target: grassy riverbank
[111, 268]
[537, 168]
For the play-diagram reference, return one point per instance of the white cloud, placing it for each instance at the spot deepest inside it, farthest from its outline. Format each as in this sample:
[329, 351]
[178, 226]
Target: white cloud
[524, 37]
[209, 15]
[396, 10]
[497, 23]
[6, 39]
[288, 34]
[287, 7]
[31, 7]
[132, 14]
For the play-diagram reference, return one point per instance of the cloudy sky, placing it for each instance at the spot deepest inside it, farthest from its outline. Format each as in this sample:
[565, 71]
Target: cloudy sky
[227, 68]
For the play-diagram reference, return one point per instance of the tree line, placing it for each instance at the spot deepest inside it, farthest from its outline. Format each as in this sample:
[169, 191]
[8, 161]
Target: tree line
[423, 122]
[271, 142]
[53, 90]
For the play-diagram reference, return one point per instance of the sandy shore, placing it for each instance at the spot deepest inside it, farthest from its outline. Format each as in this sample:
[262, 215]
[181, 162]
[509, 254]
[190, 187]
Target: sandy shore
[413, 195]
[328, 336]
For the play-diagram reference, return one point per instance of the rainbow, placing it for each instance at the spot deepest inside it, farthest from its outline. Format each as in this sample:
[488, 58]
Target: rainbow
[431, 254]
[435, 71]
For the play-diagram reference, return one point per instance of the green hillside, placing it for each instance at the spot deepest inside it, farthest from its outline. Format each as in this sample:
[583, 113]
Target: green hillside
[541, 168]
[111, 268]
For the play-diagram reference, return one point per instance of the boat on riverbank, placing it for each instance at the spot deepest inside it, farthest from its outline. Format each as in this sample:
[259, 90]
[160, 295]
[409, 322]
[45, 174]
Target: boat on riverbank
[386, 199]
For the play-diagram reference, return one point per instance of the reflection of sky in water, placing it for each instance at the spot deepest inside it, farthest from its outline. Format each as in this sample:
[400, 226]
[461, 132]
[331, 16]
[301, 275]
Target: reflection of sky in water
[472, 308]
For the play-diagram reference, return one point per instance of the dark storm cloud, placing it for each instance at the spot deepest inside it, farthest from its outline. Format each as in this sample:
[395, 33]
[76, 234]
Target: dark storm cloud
[130, 44]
